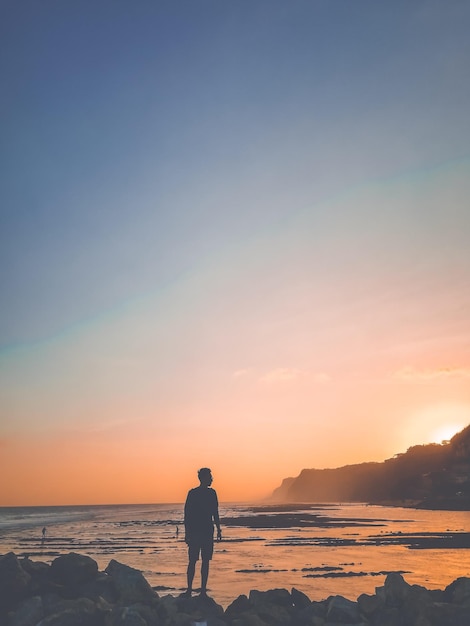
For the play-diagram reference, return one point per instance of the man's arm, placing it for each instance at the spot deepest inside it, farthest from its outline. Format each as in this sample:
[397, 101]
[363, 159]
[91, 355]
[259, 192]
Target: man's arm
[217, 519]
[187, 514]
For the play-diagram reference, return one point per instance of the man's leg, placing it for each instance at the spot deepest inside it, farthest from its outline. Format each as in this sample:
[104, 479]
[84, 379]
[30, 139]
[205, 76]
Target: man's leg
[204, 575]
[190, 575]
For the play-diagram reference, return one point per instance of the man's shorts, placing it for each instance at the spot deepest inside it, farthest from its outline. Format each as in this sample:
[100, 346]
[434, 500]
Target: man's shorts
[202, 545]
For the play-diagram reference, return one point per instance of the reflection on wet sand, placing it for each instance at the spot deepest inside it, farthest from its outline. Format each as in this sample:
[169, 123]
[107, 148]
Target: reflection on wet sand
[320, 549]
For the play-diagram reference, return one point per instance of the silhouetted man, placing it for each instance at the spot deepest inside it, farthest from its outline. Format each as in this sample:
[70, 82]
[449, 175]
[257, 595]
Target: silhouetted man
[201, 511]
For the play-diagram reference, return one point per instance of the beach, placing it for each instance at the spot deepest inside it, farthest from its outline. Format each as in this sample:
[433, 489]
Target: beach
[321, 550]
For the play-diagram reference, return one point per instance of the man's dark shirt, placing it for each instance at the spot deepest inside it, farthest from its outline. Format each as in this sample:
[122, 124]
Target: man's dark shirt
[199, 511]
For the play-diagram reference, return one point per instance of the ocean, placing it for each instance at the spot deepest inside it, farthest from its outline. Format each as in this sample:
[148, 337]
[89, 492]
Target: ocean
[322, 550]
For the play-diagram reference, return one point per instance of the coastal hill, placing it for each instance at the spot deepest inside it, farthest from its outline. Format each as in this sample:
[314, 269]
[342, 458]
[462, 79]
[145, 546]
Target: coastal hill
[432, 476]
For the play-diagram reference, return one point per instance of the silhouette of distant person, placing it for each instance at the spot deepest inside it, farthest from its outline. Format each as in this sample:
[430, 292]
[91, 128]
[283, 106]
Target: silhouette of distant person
[201, 511]
[43, 533]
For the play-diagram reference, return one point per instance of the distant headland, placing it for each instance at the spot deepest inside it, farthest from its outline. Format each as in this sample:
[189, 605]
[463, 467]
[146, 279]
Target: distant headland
[432, 476]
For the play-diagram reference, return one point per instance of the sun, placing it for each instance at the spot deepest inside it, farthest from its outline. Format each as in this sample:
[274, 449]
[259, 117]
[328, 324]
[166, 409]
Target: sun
[445, 432]
[437, 423]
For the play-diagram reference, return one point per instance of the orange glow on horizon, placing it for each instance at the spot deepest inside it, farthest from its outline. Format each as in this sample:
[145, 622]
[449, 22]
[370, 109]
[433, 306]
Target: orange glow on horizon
[73, 472]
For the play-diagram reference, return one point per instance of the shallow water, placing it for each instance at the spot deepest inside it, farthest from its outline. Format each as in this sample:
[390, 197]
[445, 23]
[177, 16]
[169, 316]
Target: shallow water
[321, 550]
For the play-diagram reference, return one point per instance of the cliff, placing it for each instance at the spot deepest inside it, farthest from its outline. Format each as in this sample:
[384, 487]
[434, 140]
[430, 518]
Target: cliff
[435, 476]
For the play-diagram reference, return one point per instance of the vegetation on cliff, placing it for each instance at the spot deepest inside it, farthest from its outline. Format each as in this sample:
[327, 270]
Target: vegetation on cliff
[434, 476]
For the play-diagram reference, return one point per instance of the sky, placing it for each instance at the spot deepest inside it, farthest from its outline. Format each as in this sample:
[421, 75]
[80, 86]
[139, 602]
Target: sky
[233, 234]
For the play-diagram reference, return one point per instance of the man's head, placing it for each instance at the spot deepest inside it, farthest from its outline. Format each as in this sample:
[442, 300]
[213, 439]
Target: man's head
[205, 476]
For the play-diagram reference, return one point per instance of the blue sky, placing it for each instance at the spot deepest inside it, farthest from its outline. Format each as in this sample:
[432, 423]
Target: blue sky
[138, 138]
[176, 173]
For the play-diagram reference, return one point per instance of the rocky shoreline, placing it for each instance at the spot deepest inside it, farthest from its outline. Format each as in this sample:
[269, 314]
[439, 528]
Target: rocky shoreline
[71, 591]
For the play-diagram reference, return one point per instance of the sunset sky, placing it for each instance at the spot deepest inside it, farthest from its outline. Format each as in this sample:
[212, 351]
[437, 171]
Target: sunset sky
[234, 234]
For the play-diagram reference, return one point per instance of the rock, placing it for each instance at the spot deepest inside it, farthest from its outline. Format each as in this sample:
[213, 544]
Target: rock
[54, 605]
[311, 620]
[281, 597]
[149, 612]
[388, 616]
[314, 620]
[438, 595]
[181, 619]
[458, 591]
[299, 599]
[446, 614]
[249, 619]
[342, 610]
[368, 604]
[273, 606]
[51, 602]
[416, 602]
[213, 620]
[396, 589]
[200, 608]
[40, 576]
[168, 606]
[240, 612]
[73, 569]
[36, 569]
[380, 593]
[14, 581]
[121, 596]
[239, 605]
[314, 614]
[126, 616]
[422, 620]
[130, 585]
[101, 587]
[74, 616]
[28, 613]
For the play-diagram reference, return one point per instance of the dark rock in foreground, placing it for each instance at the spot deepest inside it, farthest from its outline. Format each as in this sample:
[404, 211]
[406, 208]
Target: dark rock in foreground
[73, 592]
